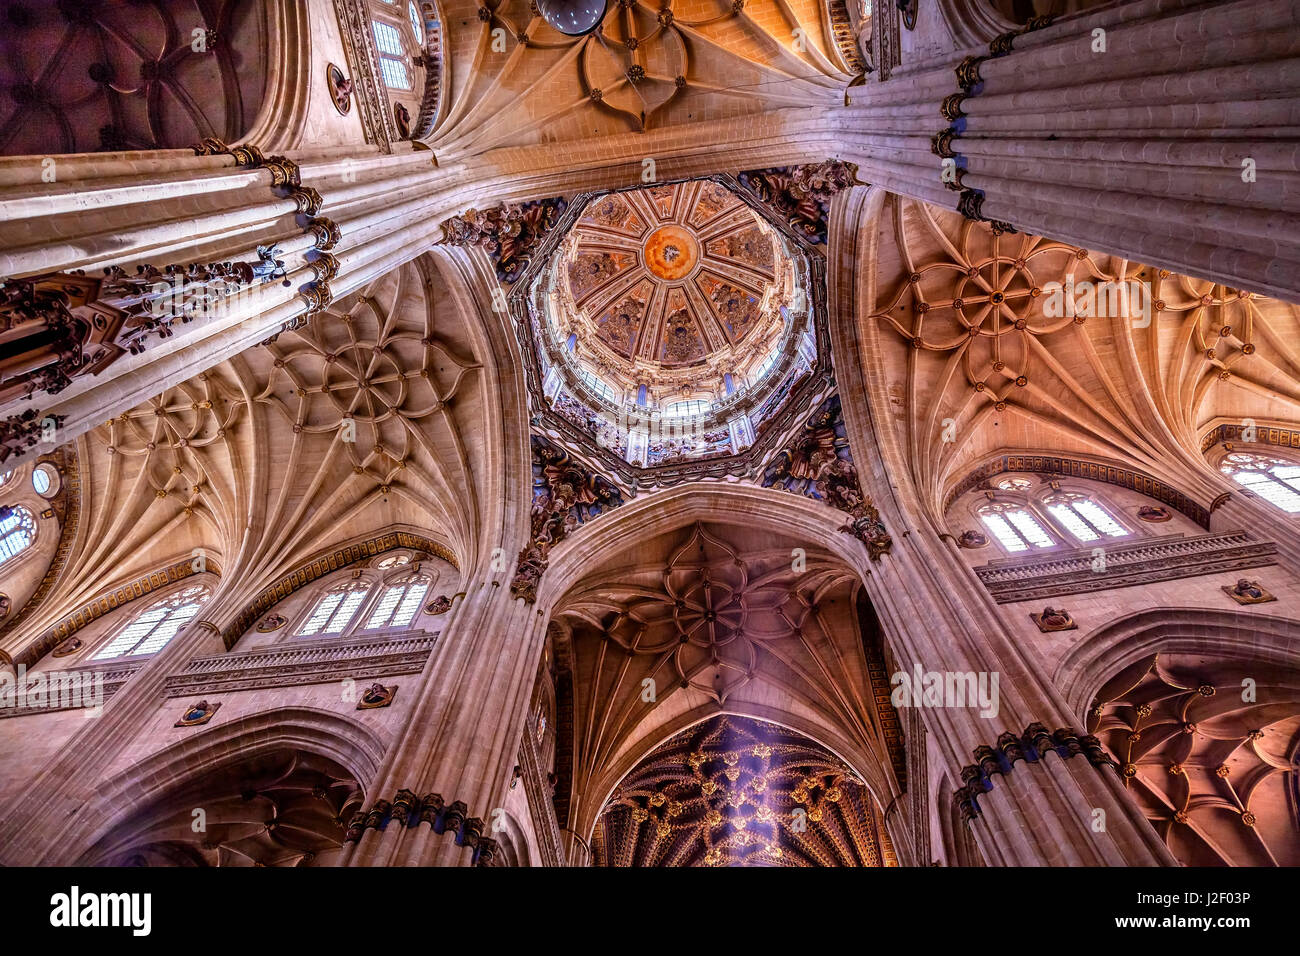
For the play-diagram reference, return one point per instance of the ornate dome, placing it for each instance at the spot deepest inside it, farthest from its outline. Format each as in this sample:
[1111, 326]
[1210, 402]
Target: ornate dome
[672, 284]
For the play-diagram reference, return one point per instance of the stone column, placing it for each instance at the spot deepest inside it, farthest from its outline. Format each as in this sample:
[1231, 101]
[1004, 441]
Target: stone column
[1148, 130]
[432, 803]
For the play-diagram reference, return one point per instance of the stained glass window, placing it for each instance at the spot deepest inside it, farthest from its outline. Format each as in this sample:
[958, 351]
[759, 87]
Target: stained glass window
[1083, 517]
[335, 609]
[1276, 480]
[1015, 527]
[399, 603]
[151, 631]
[392, 59]
[17, 532]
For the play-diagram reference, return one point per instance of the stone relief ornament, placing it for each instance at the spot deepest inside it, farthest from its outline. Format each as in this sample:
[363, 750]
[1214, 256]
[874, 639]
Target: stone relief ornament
[272, 622]
[801, 195]
[509, 233]
[376, 695]
[1246, 591]
[439, 605]
[1154, 513]
[818, 464]
[565, 495]
[1054, 619]
[340, 89]
[197, 714]
[6, 605]
[68, 647]
[402, 117]
[973, 539]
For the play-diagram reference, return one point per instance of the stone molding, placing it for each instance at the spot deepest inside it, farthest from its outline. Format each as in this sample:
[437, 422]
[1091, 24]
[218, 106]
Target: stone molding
[115, 677]
[303, 662]
[408, 810]
[1128, 564]
[1032, 746]
[540, 804]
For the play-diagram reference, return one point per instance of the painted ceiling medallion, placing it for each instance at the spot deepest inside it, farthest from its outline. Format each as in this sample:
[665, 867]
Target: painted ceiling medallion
[671, 253]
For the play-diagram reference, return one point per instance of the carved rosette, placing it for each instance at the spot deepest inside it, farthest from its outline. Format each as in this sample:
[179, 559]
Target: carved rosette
[1031, 746]
[408, 810]
[801, 195]
[565, 495]
[819, 464]
[509, 234]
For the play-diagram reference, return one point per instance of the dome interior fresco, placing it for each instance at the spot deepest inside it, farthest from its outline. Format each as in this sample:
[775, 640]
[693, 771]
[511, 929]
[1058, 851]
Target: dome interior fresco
[670, 322]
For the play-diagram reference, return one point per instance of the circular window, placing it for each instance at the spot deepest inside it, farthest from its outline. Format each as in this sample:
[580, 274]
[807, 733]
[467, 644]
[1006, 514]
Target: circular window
[45, 480]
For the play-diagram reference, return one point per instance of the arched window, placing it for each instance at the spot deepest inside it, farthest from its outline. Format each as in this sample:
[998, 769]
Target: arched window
[1083, 517]
[598, 384]
[151, 631]
[1276, 480]
[399, 602]
[17, 532]
[416, 23]
[695, 406]
[766, 365]
[392, 58]
[1014, 526]
[335, 609]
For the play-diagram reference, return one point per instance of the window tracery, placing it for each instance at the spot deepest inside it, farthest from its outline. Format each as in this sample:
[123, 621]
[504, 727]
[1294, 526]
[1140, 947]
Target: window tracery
[17, 532]
[392, 58]
[1276, 480]
[1015, 526]
[399, 602]
[1083, 516]
[335, 609]
[156, 625]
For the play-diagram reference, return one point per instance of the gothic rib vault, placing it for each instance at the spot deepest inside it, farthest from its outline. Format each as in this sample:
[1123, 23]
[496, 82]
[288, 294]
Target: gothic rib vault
[533, 504]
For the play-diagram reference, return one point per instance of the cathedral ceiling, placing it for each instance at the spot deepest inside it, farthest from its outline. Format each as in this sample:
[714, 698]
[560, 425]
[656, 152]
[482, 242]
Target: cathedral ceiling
[738, 792]
[516, 81]
[373, 416]
[708, 618]
[280, 809]
[127, 76]
[672, 276]
[1210, 759]
[978, 356]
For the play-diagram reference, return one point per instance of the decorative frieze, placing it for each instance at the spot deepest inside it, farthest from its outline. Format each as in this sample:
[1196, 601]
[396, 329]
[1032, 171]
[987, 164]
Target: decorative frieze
[1123, 565]
[408, 810]
[1081, 468]
[1031, 746]
[303, 662]
[97, 686]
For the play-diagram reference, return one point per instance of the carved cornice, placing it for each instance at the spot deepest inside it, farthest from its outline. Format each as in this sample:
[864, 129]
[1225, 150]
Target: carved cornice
[304, 662]
[93, 610]
[323, 565]
[408, 810]
[1031, 746]
[24, 430]
[1080, 468]
[114, 677]
[1127, 564]
[1264, 434]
